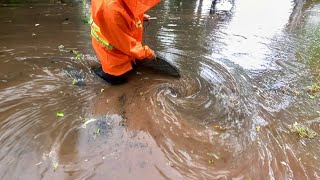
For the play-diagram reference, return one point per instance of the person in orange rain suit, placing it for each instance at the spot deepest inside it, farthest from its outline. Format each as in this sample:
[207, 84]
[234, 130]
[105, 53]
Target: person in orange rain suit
[116, 29]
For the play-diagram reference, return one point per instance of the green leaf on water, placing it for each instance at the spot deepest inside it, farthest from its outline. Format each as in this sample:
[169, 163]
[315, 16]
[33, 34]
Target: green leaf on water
[85, 20]
[314, 88]
[302, 131]
[258, 128]
[60, 114]
[98, 130]
[78, 55]
[312, 97]
[55, 166]
[74, 82]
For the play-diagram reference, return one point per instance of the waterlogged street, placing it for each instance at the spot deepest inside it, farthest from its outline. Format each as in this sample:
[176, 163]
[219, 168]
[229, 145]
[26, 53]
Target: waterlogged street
[246, 105]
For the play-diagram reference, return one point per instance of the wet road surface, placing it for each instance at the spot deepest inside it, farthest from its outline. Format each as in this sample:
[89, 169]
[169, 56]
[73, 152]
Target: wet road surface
[246, 67]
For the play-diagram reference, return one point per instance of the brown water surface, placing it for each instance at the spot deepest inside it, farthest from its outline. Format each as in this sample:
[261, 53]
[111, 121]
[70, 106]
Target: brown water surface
[245, 70]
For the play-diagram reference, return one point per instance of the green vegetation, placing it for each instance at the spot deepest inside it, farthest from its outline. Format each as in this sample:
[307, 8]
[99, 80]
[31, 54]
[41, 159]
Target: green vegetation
[78, 55]
[55, 166]
[314, 88]
[302, 131]
[74, 82]
[97, 132]
[60, 114]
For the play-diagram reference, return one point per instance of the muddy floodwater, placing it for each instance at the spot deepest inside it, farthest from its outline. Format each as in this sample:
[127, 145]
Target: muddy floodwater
[249, 71]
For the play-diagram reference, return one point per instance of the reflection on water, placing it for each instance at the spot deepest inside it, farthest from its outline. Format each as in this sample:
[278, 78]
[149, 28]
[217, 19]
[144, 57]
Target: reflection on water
[245, 71]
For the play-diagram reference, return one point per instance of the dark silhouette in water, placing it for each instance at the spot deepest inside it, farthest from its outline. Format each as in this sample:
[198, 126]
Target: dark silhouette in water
[213, 6]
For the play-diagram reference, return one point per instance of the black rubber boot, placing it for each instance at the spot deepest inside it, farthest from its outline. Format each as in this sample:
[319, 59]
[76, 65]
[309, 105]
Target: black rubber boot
[111, 79]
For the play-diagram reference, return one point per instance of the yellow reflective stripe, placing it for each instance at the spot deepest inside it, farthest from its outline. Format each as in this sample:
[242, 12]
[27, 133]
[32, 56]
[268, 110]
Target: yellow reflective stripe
[94, 30]
[94, 25]
[101, 40]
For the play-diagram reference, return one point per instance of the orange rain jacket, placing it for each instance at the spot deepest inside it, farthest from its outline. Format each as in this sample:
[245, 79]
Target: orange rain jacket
[118, 36]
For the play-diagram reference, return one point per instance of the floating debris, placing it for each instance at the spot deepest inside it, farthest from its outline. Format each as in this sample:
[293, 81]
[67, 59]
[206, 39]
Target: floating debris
[211, 161]
[76, 75]
[36, 25]
[55, 166]
[303, 131]
[60, 114]
[84, 125]
[312, 97]
[170, 164]
[101, 90]
[283, 163]
[219, 128]
[85, 20]
[78, 55]
[74, 82]
[314, 88]
[61, 47]
[97, 132]
[258, 128]
[213, 155]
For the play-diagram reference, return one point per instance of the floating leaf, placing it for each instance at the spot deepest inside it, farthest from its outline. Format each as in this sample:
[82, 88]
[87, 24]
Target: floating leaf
[314, 88]
[302, 131]
[74, 82]
[219, 128]
[60, 114]
[258, 128]
[85, 20]
[78, 55]
[55, 166]
[312, 97]
[98, 131]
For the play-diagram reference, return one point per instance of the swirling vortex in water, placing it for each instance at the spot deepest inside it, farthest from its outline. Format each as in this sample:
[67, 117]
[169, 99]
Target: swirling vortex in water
[205, 119]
